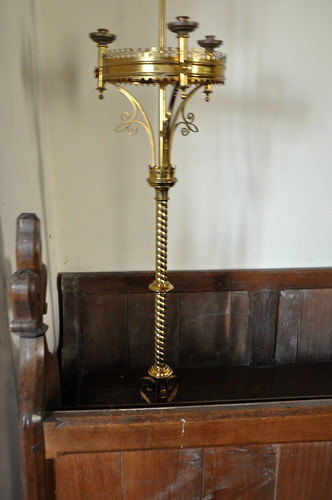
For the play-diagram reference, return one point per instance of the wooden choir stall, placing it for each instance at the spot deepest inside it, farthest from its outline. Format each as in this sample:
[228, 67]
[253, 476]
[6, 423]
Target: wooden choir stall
[252, 419]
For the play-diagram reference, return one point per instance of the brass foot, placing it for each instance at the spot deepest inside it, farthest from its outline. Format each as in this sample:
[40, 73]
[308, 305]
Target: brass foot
[158, 390]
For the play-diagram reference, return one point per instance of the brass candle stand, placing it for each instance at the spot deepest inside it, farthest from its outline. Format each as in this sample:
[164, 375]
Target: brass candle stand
[178, 73]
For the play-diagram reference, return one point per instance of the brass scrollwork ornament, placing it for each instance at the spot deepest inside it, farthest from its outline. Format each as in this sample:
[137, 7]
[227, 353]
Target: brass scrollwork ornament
[188, 122]
[128, 124]
[159, 390]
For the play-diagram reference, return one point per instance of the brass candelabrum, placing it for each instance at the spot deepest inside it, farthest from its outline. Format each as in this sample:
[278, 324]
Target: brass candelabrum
[178, 73]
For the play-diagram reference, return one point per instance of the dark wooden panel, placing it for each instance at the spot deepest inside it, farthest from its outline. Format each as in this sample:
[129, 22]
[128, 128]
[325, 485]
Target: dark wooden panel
[162, 475]
[289, 324]
[203, 281]
[88, 476]
[239, 329]
[315, 342]
[212, 328]
[108, 282]
[103, 321]
[246, 473]
[50, 480]
[107, 388]
[68, 310]
[204, 329]
[263, 327]
[69, 345]
[305, 471]
[141, 330]
[276, 279]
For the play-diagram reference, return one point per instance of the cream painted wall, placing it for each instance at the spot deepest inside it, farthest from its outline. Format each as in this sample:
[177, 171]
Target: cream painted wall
[254, 184]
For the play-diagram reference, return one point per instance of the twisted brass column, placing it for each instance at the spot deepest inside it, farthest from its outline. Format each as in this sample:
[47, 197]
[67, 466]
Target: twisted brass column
[160, 384]
[159, 284]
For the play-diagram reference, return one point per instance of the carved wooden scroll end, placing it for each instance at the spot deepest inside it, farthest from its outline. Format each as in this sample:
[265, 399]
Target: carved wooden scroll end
[28, 284]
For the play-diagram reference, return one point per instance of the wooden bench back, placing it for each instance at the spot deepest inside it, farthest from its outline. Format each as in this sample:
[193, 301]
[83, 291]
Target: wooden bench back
[215, 318]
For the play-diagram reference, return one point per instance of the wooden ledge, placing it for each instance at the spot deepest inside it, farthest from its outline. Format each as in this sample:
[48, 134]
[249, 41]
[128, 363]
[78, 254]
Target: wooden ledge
[195, 426]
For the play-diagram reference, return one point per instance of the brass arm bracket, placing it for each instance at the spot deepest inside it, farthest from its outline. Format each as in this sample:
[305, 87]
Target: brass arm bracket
[129, 121]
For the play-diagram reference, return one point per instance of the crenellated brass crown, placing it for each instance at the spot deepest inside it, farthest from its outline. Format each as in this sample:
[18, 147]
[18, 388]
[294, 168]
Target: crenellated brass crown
[153, 66]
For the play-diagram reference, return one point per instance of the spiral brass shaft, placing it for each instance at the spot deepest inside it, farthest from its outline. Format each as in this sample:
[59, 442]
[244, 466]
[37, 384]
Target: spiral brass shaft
[161, 279]
[161, 286]
[160, 330]
[161, 241]
[161, 179]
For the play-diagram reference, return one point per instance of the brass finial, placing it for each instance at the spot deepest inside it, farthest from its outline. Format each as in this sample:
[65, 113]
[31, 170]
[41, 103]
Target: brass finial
[182, 26]
[102, 37]
[209, 42]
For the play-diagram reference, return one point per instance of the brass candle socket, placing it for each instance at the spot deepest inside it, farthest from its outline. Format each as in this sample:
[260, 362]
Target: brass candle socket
[102, 37]
[182, 27]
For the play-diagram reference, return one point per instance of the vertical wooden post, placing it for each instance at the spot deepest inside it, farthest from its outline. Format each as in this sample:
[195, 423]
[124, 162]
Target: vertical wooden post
[38, 370]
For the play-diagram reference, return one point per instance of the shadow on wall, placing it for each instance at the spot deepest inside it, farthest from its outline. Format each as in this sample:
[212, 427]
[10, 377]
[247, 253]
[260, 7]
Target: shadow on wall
[10, 484]
[31, 83]
[254, 142]
[260, 115]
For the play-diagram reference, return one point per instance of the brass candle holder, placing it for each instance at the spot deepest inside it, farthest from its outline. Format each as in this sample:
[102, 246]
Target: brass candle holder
[179, 73]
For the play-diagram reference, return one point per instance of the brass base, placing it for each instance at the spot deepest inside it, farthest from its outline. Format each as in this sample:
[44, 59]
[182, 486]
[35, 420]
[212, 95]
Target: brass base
[159, 390]
[157, 372]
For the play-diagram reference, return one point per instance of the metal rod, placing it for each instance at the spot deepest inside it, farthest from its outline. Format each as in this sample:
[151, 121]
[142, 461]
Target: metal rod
[163, 156]
[162, 22]
[160, 328]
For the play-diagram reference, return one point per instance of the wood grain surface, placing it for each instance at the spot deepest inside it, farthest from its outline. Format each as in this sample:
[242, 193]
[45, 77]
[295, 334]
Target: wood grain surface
[88, 476]
[162, 474]
[195, 426]
[295, 471]
[244, 472]
[304, 471]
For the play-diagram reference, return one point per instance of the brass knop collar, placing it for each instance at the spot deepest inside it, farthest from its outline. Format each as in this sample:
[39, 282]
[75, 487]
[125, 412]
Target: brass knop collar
[162, 177]
[161, 287]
